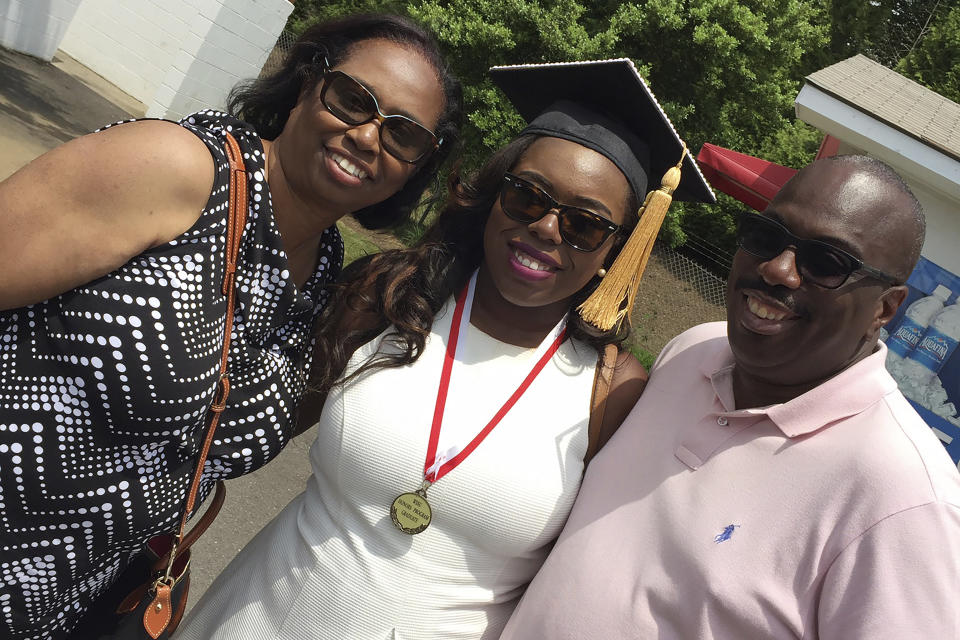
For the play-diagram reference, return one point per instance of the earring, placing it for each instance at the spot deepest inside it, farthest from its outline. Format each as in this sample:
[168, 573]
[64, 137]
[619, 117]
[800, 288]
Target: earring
[601, 272]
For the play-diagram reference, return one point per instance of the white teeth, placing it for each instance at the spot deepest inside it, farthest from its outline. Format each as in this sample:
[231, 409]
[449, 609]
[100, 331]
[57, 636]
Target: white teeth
[348, 166]
[528, 262]
[764, 311]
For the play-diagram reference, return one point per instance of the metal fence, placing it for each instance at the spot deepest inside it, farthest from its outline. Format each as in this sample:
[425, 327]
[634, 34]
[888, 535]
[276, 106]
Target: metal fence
[706, 253]
[711, 287]
[676, 293]
[275, 59]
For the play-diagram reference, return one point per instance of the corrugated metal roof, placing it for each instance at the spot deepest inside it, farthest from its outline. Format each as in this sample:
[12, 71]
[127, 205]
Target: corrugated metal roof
[898, 101]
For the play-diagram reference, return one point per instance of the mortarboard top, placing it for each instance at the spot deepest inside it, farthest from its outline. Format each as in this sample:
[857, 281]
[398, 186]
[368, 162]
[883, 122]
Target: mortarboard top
[612, 111]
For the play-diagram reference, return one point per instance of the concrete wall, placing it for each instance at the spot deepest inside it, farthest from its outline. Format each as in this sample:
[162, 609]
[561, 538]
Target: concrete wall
[35, 27]
[131, 44]
[175, 56]
[229, 40]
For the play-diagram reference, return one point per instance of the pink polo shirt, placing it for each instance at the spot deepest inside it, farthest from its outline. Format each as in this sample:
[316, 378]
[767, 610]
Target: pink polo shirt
[834, 516]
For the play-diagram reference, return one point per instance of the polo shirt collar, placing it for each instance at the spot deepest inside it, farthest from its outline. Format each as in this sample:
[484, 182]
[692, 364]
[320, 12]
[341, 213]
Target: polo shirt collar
[846, 394]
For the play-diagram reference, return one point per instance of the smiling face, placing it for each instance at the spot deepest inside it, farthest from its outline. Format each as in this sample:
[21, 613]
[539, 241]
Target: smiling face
[530, 264]
[791, 333]
[343, 168]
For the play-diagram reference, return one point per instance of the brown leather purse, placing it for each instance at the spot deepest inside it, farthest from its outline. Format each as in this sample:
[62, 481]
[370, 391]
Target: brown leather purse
[157, 581]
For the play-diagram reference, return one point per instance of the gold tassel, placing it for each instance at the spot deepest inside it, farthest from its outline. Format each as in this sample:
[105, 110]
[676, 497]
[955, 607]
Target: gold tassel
[605, 307]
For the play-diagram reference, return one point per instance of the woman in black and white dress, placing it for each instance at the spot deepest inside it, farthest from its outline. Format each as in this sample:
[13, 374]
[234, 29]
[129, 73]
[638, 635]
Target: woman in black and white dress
[111, 314]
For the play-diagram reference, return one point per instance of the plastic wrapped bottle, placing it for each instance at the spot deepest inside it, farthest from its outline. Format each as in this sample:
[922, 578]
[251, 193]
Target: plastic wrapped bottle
[916, 319]
[936, 346]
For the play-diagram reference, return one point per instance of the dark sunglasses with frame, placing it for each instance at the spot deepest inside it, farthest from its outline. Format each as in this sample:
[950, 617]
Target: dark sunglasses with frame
[351, 102]
[525, 202]
[818, 262]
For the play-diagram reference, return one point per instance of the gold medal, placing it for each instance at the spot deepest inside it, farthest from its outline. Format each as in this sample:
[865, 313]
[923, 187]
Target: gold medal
[411, 512]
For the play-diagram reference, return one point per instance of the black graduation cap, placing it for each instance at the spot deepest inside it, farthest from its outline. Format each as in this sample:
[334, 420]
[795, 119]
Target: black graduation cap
[606, 106]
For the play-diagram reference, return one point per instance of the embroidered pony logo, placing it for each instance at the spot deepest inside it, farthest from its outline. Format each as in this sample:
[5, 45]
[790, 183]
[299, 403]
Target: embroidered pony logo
[726, 534]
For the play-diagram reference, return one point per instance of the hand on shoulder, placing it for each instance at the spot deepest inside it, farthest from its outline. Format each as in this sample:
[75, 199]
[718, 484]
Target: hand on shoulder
[87, 207]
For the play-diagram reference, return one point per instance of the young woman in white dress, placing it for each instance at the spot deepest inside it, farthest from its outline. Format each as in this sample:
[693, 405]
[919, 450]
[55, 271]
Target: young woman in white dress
[457, 379]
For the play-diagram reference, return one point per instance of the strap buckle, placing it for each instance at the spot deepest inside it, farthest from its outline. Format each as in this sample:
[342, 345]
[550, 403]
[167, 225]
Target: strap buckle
[223, 390]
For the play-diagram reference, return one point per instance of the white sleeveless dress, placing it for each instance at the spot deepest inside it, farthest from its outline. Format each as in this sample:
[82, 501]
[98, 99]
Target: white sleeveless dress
[333, 566]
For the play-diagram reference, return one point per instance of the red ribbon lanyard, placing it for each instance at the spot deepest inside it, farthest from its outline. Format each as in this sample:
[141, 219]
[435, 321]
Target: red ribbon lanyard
[452, 463]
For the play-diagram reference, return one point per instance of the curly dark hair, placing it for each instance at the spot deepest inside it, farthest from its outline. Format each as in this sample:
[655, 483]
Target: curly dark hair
[406, 288]
[266, 102]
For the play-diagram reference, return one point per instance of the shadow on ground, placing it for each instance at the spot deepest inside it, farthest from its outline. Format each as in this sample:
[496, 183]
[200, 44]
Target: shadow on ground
[48, 102]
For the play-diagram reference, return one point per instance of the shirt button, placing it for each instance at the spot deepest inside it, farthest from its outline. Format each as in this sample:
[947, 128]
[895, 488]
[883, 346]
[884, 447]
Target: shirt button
[722, 421]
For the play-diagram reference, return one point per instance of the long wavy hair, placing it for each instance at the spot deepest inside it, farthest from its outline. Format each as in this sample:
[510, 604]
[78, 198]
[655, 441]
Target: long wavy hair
[266, 102]
[406, 288]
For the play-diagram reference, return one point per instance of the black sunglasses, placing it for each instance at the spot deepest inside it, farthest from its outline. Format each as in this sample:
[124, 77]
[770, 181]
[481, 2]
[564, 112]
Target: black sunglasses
[581, 229]
[403, 138]
[818, 262]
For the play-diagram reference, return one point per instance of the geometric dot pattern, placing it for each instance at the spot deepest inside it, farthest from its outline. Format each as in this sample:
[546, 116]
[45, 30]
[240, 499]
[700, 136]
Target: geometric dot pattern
[104, 390]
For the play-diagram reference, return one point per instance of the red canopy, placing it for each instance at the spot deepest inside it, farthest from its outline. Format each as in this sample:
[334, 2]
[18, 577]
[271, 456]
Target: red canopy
[750, 180]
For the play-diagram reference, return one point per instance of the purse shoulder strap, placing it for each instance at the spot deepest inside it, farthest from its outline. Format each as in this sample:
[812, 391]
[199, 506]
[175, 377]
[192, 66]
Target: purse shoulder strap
[236, 220]
[157, 615]
[606, 363]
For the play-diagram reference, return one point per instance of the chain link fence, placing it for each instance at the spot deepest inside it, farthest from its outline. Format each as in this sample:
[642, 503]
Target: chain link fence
[711, 287]
[275, 59]
[675, 294]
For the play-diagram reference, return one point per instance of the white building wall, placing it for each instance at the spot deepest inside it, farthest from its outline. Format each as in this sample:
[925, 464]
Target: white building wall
[942, 244]
[130, 43]
[35, 27]
[229, 41]
[175, 56]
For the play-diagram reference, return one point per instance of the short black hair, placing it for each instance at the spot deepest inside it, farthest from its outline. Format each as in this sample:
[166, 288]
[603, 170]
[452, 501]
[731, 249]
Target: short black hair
[266, 102]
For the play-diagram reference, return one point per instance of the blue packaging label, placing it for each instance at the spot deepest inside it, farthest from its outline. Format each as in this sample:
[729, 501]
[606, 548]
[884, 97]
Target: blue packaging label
[941, 413]
[905, 338]
[934, 349]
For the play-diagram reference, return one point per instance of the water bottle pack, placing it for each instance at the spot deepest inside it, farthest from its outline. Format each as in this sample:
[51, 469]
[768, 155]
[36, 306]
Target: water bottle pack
[920, 347]
[907, 335]
[936, 347]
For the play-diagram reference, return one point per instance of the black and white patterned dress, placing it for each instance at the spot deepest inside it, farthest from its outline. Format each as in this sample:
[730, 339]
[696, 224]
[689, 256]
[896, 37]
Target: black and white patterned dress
[104, 389]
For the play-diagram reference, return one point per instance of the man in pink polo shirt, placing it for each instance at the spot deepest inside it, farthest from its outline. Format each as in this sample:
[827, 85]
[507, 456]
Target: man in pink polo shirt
[772, 482]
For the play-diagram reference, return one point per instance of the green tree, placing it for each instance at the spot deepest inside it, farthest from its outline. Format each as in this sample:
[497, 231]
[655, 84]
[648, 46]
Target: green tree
[935, 61]
[884, 30]
[726, 71]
